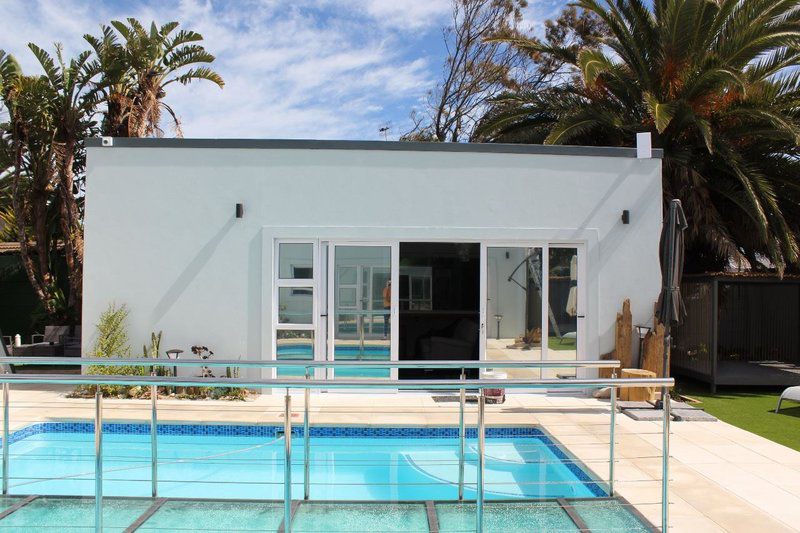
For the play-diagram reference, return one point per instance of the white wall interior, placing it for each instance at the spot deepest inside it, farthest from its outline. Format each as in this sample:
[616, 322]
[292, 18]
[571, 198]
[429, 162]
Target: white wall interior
[162, 236]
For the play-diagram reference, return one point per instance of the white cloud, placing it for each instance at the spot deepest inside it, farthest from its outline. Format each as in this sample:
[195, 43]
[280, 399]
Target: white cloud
[314, 69]
[301, 68]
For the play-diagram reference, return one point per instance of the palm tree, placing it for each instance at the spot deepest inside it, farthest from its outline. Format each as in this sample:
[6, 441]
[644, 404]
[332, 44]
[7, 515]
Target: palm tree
[716, 83]
[138, 69]
[26, 153]
[71, 106]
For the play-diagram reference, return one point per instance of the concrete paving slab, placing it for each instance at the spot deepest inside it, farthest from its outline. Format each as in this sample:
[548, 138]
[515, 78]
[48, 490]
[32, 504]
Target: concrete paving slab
[692, 415]
[644, 414]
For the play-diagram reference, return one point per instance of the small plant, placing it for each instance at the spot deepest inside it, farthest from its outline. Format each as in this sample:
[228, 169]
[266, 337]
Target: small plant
[112, 335]
[153, 351]
[532, 336]
[112, 341]
[204, 353]
[529, 339]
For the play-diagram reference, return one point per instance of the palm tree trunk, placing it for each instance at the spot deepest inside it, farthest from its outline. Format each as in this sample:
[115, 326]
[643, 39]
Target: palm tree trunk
[41, 284]
[70, 225]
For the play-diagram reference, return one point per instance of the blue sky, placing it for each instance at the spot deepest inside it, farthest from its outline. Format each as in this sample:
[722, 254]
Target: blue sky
[320, 69]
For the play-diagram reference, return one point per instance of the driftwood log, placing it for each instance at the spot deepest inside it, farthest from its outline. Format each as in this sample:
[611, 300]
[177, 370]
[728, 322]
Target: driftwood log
[653, 351]
[623, 341]
[637, 394]
[624, 336]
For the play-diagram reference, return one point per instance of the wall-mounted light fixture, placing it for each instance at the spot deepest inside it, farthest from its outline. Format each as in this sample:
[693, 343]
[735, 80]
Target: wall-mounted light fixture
[626, 217]
[239, 210]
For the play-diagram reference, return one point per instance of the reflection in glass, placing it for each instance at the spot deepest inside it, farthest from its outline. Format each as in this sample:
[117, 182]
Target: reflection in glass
[295, 305]
[294, 345]
[362, 298]
[295, 260]
[563, 296]
[514, 307]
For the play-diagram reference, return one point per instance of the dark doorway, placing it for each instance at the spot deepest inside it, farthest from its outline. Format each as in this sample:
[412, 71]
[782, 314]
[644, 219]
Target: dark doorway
[439, 312]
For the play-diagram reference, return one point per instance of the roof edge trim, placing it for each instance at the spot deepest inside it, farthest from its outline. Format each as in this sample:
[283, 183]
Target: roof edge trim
[393, 146]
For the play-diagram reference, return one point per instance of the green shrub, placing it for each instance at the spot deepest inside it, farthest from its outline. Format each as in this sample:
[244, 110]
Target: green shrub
[112, 341]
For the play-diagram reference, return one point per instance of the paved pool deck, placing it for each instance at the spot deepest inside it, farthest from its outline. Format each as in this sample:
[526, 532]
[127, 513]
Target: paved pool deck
[722, 478]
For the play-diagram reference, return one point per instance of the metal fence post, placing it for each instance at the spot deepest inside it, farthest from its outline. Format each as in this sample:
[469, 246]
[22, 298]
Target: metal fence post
[287, 467]
[665, 463]
[154, 439]
[306, 444]
[98, 460]
[6, 443]
[481, 459]
[461, 438]
[611, 434]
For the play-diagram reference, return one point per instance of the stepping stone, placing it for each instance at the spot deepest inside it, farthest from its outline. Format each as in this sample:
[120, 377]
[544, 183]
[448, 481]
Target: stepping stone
[647, 415]
[678, 405]
[633, 405]
[692, 415]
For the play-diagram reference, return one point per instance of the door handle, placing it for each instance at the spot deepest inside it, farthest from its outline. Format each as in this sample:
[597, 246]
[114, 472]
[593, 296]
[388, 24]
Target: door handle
[580, 316]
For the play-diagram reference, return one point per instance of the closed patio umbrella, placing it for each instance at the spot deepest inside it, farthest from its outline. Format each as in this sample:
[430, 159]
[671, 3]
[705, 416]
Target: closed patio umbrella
[670, 309]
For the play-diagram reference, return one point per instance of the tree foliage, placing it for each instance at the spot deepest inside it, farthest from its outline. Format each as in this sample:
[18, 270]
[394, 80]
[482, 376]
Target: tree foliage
[138, 65]
[716, 82]
[476, 68]
[117, 88]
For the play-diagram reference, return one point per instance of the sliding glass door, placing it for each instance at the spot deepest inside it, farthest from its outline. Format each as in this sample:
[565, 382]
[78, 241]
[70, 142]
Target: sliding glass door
[361, 303]
[532, 306]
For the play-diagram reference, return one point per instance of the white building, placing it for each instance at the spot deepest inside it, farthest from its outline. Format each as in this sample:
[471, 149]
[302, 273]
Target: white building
[484, 244]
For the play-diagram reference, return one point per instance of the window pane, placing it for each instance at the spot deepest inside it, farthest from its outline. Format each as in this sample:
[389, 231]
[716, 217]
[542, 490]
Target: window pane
[563, 296]
[295, 305]
[347, 296]
[514, 307]
[347, 275]
[294, 345]
[361, 308]
[296, 260]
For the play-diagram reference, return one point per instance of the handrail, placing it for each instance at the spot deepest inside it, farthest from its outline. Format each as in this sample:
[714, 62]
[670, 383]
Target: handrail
[404, 384]
[6, 379]
[146, 361]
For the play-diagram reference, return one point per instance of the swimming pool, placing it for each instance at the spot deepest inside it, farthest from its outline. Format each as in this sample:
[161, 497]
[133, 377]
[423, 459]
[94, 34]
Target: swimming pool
[246, 461]
[230, 478]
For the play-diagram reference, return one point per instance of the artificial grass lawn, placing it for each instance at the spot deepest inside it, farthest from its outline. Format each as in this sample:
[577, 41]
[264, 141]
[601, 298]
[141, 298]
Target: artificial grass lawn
[751, 409]
[553, 343]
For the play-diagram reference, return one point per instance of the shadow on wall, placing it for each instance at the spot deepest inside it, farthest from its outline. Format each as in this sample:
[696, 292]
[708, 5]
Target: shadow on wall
[195, 265]
[254, 298]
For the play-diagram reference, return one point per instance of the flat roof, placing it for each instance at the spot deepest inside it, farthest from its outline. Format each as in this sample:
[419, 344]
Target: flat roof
[395, 146]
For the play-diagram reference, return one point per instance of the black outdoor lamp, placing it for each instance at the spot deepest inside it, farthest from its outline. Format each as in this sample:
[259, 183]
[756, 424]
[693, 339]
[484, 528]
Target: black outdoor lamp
[498, 318]
[174, 354]
[642, 332]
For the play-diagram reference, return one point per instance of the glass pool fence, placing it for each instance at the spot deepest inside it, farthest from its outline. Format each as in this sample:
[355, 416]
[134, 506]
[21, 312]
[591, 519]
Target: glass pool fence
[462, 468]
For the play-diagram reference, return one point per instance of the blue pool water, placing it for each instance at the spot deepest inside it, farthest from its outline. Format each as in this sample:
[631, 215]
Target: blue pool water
[226, 462]
[304, 352]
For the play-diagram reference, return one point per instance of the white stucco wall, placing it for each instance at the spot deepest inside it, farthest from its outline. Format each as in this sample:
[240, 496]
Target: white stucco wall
[162, 238]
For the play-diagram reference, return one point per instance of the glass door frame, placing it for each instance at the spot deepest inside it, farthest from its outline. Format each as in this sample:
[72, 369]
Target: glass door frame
[313, 283]
[329, 305]
[545, 246]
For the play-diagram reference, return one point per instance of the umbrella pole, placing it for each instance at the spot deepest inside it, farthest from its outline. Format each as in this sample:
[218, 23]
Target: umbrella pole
[669, 282]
